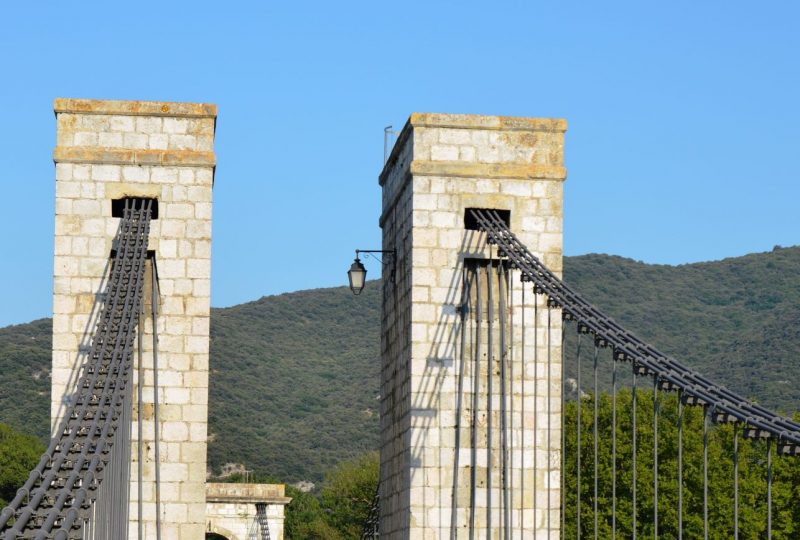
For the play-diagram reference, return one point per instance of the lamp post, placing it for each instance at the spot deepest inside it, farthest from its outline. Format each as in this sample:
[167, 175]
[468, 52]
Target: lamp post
[357, 275]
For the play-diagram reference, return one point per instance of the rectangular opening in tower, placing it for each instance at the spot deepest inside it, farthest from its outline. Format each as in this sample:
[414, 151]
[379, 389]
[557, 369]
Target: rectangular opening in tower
[118, 205]
[471, 224]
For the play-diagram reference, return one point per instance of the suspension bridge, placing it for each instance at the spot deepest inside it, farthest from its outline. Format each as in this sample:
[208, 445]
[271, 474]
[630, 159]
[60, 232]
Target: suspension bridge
[482, 435]
[494, 279]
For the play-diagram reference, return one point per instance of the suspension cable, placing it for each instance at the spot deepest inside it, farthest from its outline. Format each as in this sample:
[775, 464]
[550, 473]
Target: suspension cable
[550, 412]
[705, 472]
[536, 402]
[633, 458]
[579, 449]
[523, 424]
[514, 436]
[596, 398]
[489, 393]
[698, 389]
[680, 464]
[613, 448]
[769, 489]
[655, 457]
[736, 481]
[475, 403]
[64, 483]
[154, 298]
[459, 402]
[139, 432]
[501, 292]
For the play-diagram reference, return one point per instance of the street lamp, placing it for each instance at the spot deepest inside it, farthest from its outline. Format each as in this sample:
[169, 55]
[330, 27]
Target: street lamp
[357, 275]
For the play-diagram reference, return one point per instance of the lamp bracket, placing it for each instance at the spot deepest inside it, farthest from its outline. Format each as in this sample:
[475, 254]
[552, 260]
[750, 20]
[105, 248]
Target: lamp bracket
[390, 254]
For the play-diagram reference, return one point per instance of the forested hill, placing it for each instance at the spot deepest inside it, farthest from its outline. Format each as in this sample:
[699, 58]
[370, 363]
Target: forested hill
[294, 377]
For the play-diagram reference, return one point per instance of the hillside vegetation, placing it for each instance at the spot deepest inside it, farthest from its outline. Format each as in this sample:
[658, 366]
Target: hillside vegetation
[294, 377]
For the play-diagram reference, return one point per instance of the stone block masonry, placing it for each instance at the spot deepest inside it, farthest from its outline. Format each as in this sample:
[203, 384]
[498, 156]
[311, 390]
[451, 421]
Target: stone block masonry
[108, 150]
[442, 165]
[232, 511]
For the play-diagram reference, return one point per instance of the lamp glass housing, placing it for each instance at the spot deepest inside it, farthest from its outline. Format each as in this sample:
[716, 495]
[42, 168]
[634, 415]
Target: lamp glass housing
[357, 276]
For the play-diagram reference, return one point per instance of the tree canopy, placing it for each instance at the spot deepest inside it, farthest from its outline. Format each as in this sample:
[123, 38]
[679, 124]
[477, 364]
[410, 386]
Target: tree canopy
[19, 453]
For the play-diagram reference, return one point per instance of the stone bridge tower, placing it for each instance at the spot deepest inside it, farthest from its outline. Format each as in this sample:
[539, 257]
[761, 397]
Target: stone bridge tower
[441, 166]
[107, 151]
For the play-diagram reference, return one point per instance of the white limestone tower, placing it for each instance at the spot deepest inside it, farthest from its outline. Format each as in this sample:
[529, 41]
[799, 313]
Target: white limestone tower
[107, 151]
[436, 405]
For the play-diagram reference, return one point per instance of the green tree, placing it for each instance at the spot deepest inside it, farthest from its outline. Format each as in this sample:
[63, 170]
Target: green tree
[305, 518]
[19, 453]
[752, 473]
[348, 493]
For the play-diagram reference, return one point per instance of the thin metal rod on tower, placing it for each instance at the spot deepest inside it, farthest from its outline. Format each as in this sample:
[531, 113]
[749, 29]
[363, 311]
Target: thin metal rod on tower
[680, 464]
[126, 473]
[514, 436]
[536, 401]
[578, 437]
[736, 481]
[459, 402]
[475, 394]
[562, 456]
[156, 422]
[613, 447]
[769, 488]
[655, 456]
[596, 466]
[633, 459]
[549, 412]
[706, 411]
[139, 443]
[501, 292]
[387, 133]
[489, 392]
[523, 425]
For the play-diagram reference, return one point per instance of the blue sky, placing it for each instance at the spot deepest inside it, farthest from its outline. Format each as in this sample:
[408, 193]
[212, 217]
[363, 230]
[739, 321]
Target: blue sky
[683, 119]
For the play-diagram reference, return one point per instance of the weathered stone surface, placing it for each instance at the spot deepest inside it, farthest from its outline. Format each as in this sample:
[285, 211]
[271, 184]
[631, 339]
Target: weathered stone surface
[441, 165]
[109, 150]
[112, 107]
[231, 509]
[123, 156]
[479, 123]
